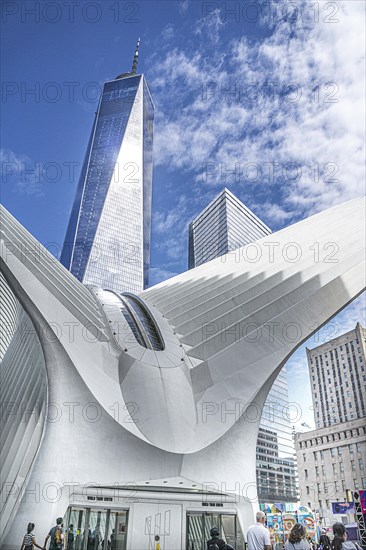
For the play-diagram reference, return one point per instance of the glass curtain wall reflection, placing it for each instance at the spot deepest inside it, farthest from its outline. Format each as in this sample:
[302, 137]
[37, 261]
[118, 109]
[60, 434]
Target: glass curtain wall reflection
[107, 242]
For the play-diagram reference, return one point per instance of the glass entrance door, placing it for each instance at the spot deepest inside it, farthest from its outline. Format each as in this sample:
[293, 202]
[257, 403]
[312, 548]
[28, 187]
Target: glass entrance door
[93, 529]
[200, 524]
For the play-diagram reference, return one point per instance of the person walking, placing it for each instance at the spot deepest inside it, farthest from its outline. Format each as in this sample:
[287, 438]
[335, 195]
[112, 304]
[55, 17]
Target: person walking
[297, 539]
[258, 535]
[56, 535]
[340, 541]
[215, 543]
[70, 538]
[324, 541]
[29, 540]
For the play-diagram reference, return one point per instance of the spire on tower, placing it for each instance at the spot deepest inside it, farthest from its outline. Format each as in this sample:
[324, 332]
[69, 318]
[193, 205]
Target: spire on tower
[134, 64]
[135, 58]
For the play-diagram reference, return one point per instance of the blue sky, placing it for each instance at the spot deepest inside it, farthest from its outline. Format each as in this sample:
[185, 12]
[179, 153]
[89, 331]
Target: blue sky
[263, 97]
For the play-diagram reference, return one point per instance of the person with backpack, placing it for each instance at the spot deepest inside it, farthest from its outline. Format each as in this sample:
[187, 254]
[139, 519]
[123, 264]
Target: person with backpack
[70, 537]
[29, 540]
[215, 543]
[56, 535]
[324, 541]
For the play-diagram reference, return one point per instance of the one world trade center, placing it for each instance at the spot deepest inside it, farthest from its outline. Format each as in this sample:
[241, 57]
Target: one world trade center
[107, 242]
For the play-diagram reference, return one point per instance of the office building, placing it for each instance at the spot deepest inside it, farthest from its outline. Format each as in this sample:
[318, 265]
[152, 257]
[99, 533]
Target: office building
[331, 460]
[107, 242]
[332, 457]
[337, 377]
[276, 459]
[225, 225]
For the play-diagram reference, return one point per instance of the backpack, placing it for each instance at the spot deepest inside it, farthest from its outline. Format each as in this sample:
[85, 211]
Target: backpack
[70, 536]
[56, 541]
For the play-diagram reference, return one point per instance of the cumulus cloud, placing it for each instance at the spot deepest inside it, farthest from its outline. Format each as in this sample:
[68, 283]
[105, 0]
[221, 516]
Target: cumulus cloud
[289, 101]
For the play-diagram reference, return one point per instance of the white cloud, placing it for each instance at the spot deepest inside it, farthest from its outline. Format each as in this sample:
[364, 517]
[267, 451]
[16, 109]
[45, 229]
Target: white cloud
[168, 33]
[273, 212]
[309, 79]
[183, 6]
[209, 26]
[157, 275]
[21, 173]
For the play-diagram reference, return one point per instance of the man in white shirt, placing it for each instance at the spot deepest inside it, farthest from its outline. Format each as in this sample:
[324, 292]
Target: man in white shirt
[258, 535]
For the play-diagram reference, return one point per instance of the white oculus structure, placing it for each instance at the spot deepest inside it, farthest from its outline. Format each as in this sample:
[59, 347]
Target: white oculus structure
[147, 407]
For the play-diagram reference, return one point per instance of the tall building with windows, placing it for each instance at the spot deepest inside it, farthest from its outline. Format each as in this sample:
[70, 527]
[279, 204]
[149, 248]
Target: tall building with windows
[338, 378]
[276, 462]
[107, 242]
[225, 225]
[332, 457]
[331, 461]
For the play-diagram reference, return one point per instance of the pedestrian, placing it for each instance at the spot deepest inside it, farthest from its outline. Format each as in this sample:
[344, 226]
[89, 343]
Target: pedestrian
[340, 541]
[324, 541]
[215, 543]
[297, 539]
[258, 535]
[70, 537]
[56, 535]
[29, 540]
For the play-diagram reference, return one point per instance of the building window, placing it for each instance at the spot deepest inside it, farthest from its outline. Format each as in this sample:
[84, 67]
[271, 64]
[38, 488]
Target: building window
[351, 448]
[306, 473]
[355, 481]
[336, 486]
[343, 485]
[339, 451]
[307, 490]
[323, 471]
[304, 457]
[360, 463]
[363, 481]
[322, 455]
[327, 503]
[317, 470]
[334, 469]
[333, 452]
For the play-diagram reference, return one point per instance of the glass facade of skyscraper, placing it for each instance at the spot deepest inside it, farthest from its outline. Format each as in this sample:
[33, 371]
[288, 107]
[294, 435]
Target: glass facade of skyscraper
[223, 226]
[276, 471]
[107, 242]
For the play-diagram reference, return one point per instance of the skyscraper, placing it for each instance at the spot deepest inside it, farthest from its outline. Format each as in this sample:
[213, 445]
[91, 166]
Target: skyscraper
[225, 225]
[107, 241]
[337, 377]
[332, 457]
